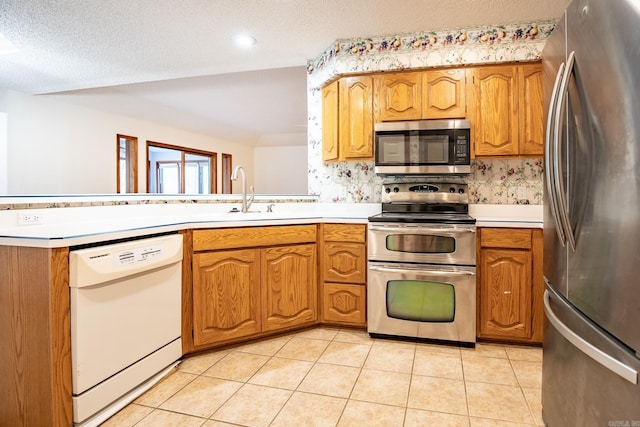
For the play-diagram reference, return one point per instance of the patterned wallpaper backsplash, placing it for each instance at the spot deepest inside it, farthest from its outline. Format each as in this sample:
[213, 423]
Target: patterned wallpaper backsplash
[491, 181]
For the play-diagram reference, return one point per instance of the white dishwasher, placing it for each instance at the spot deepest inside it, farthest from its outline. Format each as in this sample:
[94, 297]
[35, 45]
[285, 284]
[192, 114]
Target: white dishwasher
[125, 322]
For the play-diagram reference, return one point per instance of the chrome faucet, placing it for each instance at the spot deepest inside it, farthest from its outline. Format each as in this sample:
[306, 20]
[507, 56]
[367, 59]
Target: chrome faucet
[234, 177]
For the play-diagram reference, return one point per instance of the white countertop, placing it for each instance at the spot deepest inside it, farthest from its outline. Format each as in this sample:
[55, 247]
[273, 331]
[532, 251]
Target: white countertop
[70, 226]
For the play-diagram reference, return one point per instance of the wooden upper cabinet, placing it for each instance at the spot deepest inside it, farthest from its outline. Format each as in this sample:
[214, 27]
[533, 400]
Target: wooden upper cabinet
[356, 118]
[347, 119]
[508, 116]
[399, 96]
[433, 94]
[444, 94]
[531, 110]
[330, 123]
[496, 119]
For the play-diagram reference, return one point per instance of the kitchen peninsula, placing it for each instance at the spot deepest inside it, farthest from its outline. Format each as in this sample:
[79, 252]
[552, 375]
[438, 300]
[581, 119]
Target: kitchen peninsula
[35, 283]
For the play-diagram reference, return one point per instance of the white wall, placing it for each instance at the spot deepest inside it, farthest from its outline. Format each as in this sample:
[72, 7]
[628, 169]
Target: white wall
[54, 147]
[281, 170]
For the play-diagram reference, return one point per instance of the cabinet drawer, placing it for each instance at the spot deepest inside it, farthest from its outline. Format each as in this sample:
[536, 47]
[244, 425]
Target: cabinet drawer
[344, 304]
[514, 238]
[345, 262]
[245, 237]
[345, 232]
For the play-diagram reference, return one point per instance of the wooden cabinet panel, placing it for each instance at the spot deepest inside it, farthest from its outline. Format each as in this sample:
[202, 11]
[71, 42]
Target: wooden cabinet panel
[345, 233]
[505, 293]
[496, 118]
[514, 238]
[399, 96]
[344, 274]
[243, 237]
[344, 304]
[444, 94]
[289, 286]
[508, 114]
[356, 118]
[330, 122]
[531, 110]
[35, 352]
[226, 292]
[511, 284]
[344, 262]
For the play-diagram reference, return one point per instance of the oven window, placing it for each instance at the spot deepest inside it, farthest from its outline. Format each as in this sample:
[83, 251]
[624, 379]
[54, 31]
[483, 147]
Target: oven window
[421, 300]
[421, 243]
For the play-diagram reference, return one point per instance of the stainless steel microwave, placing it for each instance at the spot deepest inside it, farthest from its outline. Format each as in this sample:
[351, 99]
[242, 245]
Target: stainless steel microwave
[423, 147]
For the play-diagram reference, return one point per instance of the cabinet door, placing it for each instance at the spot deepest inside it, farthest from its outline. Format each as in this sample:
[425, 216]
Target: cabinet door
[344, 262]
[356, 118]
[505, 293]
[330, 123]
[344, 304]
[399, 96]
[226, 292]
[496, 118]
[289, 292]
[531, 110]
[444, 94]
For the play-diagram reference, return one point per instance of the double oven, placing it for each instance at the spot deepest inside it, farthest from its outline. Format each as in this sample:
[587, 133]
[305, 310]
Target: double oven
[421, 264]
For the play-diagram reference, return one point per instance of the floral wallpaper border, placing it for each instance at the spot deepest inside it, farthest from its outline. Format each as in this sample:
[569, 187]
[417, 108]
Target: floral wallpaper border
[490, 181]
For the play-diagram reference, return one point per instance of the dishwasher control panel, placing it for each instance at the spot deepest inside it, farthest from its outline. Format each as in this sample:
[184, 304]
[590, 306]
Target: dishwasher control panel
[138, 255]
[99, 264]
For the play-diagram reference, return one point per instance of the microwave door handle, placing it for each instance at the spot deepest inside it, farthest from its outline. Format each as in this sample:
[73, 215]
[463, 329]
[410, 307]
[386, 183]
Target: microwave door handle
[559, 187]
[550, 150]
[388, 268]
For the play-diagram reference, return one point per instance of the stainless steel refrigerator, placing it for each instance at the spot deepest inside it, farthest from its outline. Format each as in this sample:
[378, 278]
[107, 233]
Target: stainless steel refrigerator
[591, 69]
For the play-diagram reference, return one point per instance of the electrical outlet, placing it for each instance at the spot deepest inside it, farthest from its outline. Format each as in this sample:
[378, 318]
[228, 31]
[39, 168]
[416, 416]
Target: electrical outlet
[522, 193]
[29, 218]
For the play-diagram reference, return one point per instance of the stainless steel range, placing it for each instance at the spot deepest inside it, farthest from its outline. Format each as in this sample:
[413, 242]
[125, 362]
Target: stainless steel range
[422, 257]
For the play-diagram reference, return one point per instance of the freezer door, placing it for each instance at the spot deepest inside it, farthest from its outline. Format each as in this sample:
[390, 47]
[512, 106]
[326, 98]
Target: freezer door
[603, 164]
[587, 376]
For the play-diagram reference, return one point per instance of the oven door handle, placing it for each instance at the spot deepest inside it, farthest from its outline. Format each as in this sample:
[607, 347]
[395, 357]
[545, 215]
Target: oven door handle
[404, 267]
[421, 228]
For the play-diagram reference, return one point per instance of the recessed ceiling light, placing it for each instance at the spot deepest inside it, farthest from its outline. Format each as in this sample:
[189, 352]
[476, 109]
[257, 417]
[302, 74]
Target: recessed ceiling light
[6, 46]
[244, 40]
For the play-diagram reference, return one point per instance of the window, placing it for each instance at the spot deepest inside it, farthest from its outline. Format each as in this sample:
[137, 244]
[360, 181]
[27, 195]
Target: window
[178, 170]
[127, 164]
[226, 173]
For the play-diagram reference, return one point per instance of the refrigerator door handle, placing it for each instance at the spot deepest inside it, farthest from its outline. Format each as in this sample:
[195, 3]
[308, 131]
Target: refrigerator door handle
[559, 188]
[595, 353]
[550, 160]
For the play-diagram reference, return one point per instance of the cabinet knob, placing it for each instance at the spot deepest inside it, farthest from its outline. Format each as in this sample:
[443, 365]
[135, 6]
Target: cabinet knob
[507, 292]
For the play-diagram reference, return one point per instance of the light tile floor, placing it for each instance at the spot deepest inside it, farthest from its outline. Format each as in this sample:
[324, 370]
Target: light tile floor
[342, 377]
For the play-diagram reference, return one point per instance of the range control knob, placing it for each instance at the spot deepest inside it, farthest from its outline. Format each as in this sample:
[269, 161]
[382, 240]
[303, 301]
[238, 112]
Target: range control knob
[387, 190]
[452, 190]
[396, 190]
[461, 190]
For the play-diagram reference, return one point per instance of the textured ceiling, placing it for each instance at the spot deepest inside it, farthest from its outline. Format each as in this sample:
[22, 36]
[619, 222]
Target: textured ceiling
[82, 45]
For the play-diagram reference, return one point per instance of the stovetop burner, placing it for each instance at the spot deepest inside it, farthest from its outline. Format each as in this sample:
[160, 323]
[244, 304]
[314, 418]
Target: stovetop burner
[443, 203]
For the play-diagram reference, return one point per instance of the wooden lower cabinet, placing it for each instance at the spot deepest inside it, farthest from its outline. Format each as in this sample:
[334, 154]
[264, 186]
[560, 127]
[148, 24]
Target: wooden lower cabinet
[344, 274]
[226, 295]
[344, 303]
[289, 286]
[510, 284]
[251, 291]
